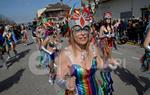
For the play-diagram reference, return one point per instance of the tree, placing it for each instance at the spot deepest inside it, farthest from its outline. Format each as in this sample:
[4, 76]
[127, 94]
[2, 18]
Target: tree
[5, 20]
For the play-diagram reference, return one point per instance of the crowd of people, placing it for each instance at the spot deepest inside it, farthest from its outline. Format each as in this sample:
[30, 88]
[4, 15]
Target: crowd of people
[89, 46]
[10, 36]
[73, 66]
[89, 49]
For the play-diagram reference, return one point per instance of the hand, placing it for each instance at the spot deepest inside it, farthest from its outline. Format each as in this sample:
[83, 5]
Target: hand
[109, 36]
[71, 83]
[113, 62]
[113, 35]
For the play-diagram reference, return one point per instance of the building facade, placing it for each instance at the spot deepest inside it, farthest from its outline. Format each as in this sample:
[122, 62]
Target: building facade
[123, 9]
[55, 12]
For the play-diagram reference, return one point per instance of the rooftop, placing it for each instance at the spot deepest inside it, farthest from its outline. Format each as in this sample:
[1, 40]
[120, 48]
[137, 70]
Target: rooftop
[57, 6]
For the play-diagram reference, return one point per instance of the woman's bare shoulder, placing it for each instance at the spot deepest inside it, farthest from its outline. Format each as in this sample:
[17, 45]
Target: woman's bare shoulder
[102, 27]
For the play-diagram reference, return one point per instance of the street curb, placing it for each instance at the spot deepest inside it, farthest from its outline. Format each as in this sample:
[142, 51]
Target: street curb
[131, 43]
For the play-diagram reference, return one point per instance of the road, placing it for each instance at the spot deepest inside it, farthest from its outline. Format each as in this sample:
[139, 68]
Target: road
[19, 80]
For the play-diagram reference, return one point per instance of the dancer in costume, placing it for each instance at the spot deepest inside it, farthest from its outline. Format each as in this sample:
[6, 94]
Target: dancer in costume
[9, 41]
[2, 40]
[78, 62]
[49, 52]
[146, 58]
[24, 35]
[106, 35]
[40, 35]
[2, 45]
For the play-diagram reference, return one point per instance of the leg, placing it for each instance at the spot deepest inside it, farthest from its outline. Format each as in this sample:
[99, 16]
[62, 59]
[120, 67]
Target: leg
[3, 60]
[13, 48]
[7, 50]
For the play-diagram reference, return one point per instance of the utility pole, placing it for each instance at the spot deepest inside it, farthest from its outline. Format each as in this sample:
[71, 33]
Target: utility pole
[132, 7]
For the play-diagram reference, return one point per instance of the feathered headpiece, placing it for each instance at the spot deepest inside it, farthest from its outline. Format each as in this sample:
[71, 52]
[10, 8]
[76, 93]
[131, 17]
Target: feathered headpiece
[81, 17]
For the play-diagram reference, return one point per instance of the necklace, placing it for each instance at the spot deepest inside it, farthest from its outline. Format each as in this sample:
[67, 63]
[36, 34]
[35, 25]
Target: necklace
[83, 55]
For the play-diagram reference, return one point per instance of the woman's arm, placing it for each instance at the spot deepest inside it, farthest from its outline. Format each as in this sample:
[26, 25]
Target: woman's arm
[45, 42]
[101, 32]
[98, 58]
[109, 62]
[63, 71]
[9, 35]
[113, 31]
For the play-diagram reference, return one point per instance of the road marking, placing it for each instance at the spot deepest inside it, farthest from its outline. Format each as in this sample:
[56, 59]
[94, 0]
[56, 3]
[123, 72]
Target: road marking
[117, 52]
[135, 58]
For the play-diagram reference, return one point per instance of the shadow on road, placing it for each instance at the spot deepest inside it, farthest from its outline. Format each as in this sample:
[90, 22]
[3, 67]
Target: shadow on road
[147, 84]
[9, 82]
[130, 79]
[20, 56]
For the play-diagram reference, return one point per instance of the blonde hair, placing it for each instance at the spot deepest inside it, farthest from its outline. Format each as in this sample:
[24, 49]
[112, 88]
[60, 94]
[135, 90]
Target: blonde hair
[72, 43]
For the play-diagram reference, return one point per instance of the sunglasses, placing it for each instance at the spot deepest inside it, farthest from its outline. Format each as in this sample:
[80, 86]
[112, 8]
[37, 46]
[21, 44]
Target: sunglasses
[78, 29]
[108, 18]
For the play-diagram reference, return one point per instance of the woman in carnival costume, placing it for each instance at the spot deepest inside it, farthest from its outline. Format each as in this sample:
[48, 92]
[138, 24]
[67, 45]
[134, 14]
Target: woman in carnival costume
[106, 35]
[49, 50]
[24, 34]
[78, 62]
[146, 58]
[2, 40]
[9, 42]
[2, 45]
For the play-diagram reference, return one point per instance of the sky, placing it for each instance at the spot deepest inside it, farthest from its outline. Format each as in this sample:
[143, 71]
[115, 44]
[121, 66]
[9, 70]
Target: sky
[22, 11]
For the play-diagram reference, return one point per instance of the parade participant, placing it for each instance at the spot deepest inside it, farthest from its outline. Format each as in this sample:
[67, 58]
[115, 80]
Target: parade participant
[78, 62]
[2, 40]
[34, 25]
[40, 35]
[13, 34]
[146, 58]
[9, 41]
[49, 50]
[80, 59]
[106, 35]
[24, 35]
[2, 45]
